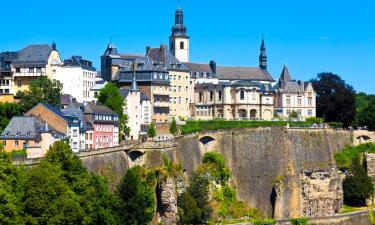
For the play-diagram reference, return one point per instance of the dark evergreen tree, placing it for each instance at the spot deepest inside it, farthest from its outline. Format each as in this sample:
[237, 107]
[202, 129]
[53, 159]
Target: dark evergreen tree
[366, 113]
[335, 99]
[357, 184]
[173, 127]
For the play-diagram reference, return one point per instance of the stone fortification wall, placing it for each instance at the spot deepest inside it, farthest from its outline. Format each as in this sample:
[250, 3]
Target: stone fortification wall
[267, 164]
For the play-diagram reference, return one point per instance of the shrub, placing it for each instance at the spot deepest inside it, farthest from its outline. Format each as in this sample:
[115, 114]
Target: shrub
[344, 158]
[299, 221]
[151, 131]
[173, 127]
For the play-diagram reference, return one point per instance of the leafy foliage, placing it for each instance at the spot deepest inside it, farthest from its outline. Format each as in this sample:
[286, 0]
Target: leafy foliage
[335, 99]
[42, 90]
[137, 195]
[366, 113]
[189, 212]
[111, 97]
[345, 158]
[151, 131]
[7, 111]
[357, 184]
[173, 127]
[293, 114]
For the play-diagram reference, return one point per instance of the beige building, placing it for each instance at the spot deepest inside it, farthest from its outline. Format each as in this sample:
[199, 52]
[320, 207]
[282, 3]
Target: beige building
[32, 62]
[241, 100]
[292, 95]
[179, 76]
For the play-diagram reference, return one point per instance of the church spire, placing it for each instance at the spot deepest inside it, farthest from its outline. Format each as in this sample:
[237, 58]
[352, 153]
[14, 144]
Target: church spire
[134, 87]
[179, 29]
[263, 56]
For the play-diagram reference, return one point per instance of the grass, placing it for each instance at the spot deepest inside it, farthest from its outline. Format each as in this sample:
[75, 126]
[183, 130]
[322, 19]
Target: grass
[192, 126]
[349, 209]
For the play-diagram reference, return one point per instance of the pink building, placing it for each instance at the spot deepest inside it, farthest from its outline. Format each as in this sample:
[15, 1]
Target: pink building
[102, 124]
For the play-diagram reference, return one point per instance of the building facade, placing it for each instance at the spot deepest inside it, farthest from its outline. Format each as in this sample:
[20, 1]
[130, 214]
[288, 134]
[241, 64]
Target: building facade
[138, 108]
[294, 96]
[102, 126]
[77, 76]
[21, 67]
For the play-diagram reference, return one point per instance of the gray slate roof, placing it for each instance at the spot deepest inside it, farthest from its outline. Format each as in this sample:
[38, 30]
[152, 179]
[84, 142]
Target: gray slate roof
[23, 127]
[170, 62]
[98, 109]
[78, 61]
[243, 73]
[33, 54]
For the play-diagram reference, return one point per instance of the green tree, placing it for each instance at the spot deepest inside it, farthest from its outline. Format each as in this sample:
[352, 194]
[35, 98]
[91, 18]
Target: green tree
[138, 200]
[42, 90]
[366, 115]
[173, 127]
[151, 131]
[335, 99]
[11, 211]
[357, 185]
[199, 191]
[61, 191]
[7, 111]
[188, 211]
[111, 97]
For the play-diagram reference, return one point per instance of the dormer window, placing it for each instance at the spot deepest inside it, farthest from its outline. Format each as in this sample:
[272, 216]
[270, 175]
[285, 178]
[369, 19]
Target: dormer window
[27, 133]
[6, 133]
[17, 133]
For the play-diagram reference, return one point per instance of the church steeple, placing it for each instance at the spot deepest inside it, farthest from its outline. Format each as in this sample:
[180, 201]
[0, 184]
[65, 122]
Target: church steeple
[134, 87]
[263, 56]
[179, 41]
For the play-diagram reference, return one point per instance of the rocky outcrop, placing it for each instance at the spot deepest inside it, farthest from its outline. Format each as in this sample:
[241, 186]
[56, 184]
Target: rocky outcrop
[322, 192]
[167, 201]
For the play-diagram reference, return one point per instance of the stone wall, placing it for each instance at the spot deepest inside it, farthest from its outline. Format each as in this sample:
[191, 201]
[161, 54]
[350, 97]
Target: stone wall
[260, 158]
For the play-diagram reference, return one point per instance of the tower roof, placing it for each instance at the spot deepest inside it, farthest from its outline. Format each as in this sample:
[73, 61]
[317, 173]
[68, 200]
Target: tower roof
[179, 29]
[285, 75]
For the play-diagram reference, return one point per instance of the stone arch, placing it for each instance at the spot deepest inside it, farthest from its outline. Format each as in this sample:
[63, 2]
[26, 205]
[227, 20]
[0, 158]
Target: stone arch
[364, 137]
[242, 113]
[273, 198]
[253, 113]
[206, 140]
[134, 155]
[267, 114]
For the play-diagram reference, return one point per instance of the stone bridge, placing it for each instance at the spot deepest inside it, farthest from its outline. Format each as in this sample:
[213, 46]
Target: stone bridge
[363, 136]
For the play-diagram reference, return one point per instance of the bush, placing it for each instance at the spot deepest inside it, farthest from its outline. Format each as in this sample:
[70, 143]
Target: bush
[336, 125]
[173, 127]
[299, 221]
[192, 126]
[151, 131]
[344, 158]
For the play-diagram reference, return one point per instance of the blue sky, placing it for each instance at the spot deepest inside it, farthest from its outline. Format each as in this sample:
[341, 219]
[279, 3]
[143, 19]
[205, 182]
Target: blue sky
[310, 36]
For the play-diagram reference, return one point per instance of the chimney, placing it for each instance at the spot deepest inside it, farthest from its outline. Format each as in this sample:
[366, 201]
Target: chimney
[148, 48]
[163, 47]
[54, 46]
[213, 66]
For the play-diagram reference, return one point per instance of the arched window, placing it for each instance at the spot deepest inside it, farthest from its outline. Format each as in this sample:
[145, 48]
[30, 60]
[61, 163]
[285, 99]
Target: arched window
[182, 45]
[211, 96]
[242, 95]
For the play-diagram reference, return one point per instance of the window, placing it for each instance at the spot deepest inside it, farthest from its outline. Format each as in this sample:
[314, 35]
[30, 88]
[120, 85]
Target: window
[18, 70]
[179, 100]
[179, 77]
[31, 70]
[182, 45]
[4, 143]
[19, 83]
[309, 100]
[288, 101]
[299, 101]
[211, 96]
[38, 70]
[219, 95]
[288, 112]
[179, 88]
[309, 112]
[16, 143]
[74, 133]
[299, 112]
[242, 95]
[200, 96]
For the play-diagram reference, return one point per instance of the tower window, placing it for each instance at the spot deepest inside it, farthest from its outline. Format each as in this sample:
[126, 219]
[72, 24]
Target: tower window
[182, 45]
[242, 95]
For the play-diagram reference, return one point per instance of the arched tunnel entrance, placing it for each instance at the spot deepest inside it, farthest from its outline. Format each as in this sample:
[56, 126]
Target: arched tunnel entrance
[134, 155]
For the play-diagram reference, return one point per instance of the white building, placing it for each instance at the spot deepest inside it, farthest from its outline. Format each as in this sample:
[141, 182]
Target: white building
[297, 96]
[94, 91]
[138, 108]
[77, 76]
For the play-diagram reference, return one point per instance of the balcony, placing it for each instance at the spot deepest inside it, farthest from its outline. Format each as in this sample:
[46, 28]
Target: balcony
[161, 104]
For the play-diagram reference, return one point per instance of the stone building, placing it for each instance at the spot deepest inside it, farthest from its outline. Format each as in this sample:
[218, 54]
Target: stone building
[77, 76]
[292, 95]
[240, 100]
[19, 68]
